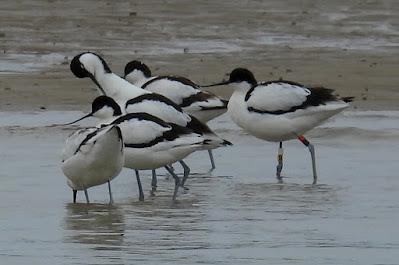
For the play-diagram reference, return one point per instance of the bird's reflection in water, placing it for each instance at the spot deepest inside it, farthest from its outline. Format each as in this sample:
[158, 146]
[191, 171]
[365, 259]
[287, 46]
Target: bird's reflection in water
[99, 224]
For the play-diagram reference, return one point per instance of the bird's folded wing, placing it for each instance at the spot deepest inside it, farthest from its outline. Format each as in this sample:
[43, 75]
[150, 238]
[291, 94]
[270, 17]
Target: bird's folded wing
[276, 97]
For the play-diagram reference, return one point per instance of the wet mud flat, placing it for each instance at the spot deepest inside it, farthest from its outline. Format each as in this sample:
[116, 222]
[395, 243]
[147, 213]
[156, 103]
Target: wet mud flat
[237, 213]
[350, 46]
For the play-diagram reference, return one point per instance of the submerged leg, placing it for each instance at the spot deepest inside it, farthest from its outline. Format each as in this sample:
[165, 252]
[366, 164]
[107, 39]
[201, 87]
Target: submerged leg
[141, 194]
[186, 173]
[177, 181]
[154, 182]
[111, 200]
[280, 162]
[211, 158]
[74, 192]
[312, 154]
[87, 196]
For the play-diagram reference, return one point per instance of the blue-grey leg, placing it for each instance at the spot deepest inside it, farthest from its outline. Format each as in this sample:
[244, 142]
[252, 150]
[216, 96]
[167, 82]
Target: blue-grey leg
[171, 168]
[74, 192]
[111, 200]
[141, 194]
[87, 196]
[280, 162]
[186, 171]
[154, 182]
[211, 158]
[177, 181]
[312, 154]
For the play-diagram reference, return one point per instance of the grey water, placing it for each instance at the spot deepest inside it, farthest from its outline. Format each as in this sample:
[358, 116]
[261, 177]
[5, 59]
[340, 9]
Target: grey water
[235, 214]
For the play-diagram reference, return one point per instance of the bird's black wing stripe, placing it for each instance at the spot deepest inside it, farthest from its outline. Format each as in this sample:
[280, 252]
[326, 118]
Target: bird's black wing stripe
[248, 95]
[180, 79]
[224, 106]
[318, 96]
[153, 97]
[198, 127]
[199, 97]
[141, 116]
[175, 132]
[88, 137]
[144, 145]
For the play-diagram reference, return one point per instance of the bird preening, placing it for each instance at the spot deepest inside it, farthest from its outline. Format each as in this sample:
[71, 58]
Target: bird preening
[147, 122]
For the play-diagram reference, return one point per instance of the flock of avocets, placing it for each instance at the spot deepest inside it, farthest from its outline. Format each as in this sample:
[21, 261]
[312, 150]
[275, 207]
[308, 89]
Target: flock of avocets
[147, 122]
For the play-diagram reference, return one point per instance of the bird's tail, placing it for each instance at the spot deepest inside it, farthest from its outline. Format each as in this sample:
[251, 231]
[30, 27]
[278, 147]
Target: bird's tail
[347, 99]
[212, 140]
[216, 142]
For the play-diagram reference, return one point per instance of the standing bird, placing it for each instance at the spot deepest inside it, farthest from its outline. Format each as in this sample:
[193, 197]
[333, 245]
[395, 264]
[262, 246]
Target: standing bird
[203, 105]
[91, 157]
[131, 98]
[150, 143]
[280, 110]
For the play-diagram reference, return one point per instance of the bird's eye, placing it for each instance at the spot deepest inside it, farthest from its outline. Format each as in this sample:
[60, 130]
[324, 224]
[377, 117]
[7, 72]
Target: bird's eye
[82, 66]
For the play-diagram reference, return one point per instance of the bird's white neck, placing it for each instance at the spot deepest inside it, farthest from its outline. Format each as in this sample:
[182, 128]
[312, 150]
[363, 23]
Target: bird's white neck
[105, 113]
[237, 105]
[118, 88]
[242, 87]
[137, 78]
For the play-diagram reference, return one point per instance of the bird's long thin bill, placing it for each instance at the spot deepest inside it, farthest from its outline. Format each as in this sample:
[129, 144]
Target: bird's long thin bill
[84, 117]
[218, 84]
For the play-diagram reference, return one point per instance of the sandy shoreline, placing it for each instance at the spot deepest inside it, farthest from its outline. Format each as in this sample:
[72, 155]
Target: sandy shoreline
[345, 46]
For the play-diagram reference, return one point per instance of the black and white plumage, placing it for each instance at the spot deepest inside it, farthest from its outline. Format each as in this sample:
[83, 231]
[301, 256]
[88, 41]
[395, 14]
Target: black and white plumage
[158, 106]
[164, 108]
[172, 113]
[91, 65]
[91, 157]
[280, 110]
[201, 104]
[106, 109]
[150, 142]
[283, 97]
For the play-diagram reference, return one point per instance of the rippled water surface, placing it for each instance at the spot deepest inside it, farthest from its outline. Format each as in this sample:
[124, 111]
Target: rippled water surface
[237, 214]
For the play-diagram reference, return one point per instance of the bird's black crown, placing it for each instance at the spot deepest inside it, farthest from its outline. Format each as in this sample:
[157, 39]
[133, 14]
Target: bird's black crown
[101, 101]
[242, 74]
[78, 68]
[137, 65]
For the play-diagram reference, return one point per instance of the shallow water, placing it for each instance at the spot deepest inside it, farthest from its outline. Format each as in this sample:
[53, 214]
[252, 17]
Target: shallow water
[236, 214]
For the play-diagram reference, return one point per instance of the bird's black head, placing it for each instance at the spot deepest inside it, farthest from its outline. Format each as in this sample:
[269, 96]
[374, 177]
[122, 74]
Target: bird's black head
[137, 65]
[238, 75]
[77, 68]
[104, 101]
[84, 64]
[242, 75]
[102, 107]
